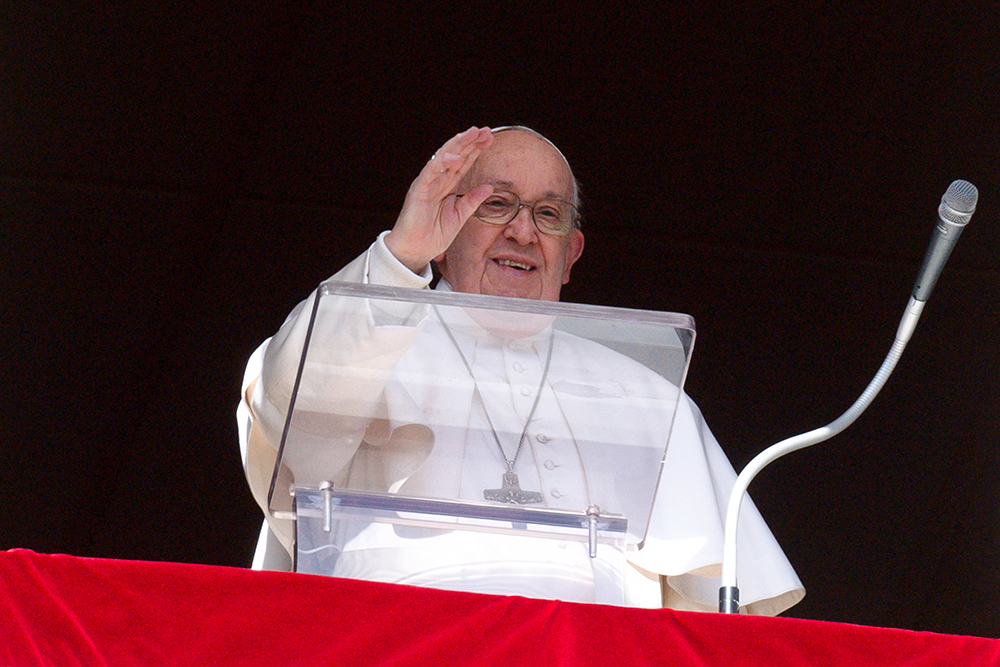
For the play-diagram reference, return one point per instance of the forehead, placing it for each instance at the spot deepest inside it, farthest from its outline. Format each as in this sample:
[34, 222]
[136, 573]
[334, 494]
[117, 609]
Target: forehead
[525, 164]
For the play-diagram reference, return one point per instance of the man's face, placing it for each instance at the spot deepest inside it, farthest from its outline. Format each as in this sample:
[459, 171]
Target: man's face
[515, 259]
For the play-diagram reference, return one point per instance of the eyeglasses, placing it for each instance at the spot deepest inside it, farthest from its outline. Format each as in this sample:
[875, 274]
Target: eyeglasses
[554, 217]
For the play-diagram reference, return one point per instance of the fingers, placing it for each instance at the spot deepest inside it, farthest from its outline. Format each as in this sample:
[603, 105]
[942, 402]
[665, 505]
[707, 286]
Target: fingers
[464, 142]
[454, 159]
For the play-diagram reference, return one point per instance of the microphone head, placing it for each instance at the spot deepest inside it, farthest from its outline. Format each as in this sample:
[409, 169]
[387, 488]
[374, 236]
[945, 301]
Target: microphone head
[959, 202]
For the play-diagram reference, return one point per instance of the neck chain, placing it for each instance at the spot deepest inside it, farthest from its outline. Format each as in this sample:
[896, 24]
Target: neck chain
[510, 490]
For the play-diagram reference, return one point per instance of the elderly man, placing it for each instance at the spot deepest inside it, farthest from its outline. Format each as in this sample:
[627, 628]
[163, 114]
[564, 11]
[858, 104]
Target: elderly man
[516, 259]
[497, 212]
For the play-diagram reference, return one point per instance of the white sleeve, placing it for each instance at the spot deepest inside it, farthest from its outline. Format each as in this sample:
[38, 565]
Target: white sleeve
[686, 532]
[271, 369]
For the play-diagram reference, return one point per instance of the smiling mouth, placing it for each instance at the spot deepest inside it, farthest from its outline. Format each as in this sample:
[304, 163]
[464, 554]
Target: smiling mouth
[520, 266]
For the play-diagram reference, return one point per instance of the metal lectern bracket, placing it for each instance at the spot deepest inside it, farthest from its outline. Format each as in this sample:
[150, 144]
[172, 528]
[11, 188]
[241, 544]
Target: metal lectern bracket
[325, 488]
[333, 500]
[593, 514]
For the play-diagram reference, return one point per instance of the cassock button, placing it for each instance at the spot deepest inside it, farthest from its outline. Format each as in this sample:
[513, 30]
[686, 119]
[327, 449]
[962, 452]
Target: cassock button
[526, 391]
[556, 493]
[541, 437]
[550, 465]
[518, 367]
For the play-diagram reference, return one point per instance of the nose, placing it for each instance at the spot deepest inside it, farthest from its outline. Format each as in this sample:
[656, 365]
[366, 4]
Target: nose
[522, 228]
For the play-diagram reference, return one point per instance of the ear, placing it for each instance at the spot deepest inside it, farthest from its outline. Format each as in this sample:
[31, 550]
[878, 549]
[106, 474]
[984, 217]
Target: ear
[574, 249]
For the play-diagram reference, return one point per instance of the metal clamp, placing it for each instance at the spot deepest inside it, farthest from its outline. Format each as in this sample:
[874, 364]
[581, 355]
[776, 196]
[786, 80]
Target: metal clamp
[593, 514]
[325, 489]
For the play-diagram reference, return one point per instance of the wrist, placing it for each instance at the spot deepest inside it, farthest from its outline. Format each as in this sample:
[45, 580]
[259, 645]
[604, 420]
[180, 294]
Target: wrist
[398, 249]
[387, 268]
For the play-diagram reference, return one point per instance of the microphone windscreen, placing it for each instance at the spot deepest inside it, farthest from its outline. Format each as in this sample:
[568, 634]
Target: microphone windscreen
[959, 202]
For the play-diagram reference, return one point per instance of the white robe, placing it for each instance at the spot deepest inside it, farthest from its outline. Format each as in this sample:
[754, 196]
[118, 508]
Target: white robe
[683, 544]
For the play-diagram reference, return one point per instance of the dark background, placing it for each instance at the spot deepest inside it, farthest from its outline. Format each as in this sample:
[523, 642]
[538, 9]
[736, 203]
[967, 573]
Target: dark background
[175, 178]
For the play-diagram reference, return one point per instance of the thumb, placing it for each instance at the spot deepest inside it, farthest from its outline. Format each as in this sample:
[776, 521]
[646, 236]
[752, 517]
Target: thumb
[467, 204]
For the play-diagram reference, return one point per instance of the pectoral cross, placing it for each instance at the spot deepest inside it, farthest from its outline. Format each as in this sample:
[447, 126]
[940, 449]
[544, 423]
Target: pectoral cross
[511, 492]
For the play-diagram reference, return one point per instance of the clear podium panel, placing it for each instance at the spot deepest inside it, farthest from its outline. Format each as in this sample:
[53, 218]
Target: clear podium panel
[483, 406]
[460, 546]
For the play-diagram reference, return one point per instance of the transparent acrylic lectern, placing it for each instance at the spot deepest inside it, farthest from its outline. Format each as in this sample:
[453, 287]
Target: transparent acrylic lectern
[477, 443]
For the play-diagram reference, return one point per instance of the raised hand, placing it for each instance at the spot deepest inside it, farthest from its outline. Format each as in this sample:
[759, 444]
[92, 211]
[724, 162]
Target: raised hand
[432, 215]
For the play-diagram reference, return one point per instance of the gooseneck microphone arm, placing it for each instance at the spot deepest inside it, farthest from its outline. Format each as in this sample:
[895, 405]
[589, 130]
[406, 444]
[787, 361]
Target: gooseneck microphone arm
[957, 206]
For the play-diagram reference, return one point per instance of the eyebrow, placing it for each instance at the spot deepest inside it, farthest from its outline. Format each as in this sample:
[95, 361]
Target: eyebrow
[547, 195]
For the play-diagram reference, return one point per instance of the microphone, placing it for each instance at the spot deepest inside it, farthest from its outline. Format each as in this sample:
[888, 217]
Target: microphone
[957, 206]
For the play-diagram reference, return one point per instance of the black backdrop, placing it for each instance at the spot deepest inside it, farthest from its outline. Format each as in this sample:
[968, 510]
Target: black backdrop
[175, 178]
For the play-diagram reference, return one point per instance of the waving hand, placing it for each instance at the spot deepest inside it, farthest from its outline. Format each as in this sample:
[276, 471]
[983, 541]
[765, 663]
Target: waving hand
[432, 215]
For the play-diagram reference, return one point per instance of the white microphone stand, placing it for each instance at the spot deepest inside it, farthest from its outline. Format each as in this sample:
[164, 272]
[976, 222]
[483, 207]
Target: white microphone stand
[729, 602]
[957, 207]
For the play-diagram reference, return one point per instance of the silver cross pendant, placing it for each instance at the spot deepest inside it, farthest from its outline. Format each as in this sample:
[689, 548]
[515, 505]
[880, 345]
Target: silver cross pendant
[511, 492]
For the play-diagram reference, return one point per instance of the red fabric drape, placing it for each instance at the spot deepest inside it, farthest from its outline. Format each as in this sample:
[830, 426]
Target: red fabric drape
[62, 610]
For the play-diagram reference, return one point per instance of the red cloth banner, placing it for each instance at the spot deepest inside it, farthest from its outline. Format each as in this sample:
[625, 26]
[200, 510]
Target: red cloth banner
[63, 610]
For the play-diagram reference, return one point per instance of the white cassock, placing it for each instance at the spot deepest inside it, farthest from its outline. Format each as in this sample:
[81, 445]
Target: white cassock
[590, 397]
